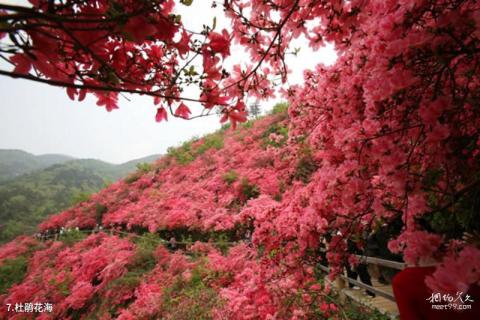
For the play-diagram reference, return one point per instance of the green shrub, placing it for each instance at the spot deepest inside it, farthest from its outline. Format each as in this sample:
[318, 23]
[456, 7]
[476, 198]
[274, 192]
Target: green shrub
[132, 177]
[106, 183]
[79, 197]
[12, 271]
[282, 187]
[249, 191]
[214, 140]
[144, 167]
[148, 241]
[192, 299]
[463, 215]
[71, 237]
[100, 210]
[221, 242]
[226, 126]
[63, 286]
[186, 239]
[278, 129]
[279, 108]
[230, 176]
[186, 153]
[248, 124]
[141, 263]
[306, 166]
[182, 154]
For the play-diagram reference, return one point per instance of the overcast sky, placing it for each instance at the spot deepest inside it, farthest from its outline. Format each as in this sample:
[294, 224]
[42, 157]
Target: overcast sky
[41, 119]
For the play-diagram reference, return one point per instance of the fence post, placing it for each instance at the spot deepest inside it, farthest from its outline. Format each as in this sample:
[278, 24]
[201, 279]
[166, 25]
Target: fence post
[374, 273]
[340, 284]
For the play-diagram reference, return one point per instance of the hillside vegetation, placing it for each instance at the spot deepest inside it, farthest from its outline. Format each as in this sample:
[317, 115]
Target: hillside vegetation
[14, 163]
[201, 192]
[28, 199]
[239, 205]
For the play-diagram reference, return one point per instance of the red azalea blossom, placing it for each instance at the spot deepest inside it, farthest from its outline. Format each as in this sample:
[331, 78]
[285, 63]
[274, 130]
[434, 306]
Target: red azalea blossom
[183, 45]
[139, 29]
[183, 111]
[22, 63]
[161, 115]
[72, 92]
[108, 100]
[220, 42]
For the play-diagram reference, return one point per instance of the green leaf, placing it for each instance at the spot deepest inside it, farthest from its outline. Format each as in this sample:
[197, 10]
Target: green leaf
[214, 23]
[187, 2]
[191, 71]
[178, 19]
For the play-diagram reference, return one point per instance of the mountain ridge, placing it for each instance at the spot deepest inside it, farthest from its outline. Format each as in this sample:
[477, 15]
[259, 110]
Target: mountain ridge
[28, 198]
[16, 162]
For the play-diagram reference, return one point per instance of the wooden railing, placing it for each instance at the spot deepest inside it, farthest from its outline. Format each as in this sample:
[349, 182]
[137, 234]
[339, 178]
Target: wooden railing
[341, 282]
[57, 236]
[381, 262]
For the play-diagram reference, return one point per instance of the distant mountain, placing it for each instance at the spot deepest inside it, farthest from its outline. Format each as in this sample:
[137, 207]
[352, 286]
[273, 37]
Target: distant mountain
[127, 167]
[14, 163]
[28, 199]
[112, 172]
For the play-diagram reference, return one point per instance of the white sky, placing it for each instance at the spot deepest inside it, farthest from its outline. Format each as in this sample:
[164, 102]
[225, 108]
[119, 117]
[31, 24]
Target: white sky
[41, 119]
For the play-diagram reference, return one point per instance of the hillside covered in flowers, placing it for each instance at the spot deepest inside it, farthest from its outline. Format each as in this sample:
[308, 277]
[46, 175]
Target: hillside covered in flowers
[210, 198]
[240, 206]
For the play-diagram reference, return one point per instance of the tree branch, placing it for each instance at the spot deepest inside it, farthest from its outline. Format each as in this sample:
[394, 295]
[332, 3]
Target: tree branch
[58, 83]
